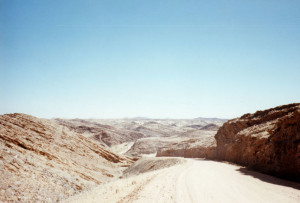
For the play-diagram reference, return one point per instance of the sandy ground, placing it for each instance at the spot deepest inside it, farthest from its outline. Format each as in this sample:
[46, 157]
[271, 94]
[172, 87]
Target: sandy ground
[195, 181]
[121, 148]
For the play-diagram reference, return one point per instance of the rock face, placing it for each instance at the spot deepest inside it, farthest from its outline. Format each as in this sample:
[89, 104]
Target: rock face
[268, 141]
[191, 148]
[41, 161]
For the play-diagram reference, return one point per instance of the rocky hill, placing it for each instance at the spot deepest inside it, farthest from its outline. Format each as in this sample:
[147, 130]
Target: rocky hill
[106, 134]
[150, 145]
[174, 145]
[191, 148]
[41, 161]
[268, 141]
[145, 136]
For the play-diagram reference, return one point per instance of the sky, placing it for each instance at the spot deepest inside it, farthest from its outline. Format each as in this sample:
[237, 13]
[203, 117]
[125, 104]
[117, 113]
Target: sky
[150, 58]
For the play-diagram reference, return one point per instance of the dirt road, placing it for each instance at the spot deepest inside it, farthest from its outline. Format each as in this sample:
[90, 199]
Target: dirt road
[196, 181]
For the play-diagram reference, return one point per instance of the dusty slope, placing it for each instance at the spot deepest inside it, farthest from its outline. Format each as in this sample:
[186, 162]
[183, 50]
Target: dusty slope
[195, 181]
[150, 145]
[121, 148]
[43, 161]
[267, 140]
[148, 164]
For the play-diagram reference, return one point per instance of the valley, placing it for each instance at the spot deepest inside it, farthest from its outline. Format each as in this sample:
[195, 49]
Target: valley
[152, 160]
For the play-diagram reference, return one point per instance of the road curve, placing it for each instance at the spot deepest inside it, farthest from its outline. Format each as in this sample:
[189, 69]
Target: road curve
[210, 181]
[197, 181]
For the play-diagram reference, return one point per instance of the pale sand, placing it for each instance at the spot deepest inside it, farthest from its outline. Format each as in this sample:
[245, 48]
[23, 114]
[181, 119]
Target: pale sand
[195, 181]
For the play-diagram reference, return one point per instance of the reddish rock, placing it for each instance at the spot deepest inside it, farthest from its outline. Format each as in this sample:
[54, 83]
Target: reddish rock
[268, 141]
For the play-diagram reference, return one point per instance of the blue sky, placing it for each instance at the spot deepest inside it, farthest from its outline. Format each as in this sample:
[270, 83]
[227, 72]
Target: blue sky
[160, 59]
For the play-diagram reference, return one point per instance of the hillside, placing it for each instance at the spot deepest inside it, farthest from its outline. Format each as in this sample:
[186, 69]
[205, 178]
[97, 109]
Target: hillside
[43, 161]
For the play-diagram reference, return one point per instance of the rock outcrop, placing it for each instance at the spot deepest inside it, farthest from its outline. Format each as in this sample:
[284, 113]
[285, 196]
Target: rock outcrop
[268, 141]
[41, 161]
[191, 148]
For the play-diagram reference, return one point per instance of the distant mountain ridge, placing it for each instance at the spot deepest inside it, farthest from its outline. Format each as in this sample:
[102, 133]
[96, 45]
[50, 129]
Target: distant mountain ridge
[211, 119]
[148, 134]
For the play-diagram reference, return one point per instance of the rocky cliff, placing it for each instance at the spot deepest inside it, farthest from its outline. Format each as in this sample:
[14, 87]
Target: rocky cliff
[268, 141]
[41, 161]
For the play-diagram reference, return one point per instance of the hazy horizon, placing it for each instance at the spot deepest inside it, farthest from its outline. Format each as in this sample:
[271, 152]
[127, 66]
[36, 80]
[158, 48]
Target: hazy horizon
[137, 118]
[156, 59]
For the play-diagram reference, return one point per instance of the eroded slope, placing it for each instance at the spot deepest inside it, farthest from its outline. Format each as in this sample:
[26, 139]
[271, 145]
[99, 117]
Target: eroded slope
[43, 161]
